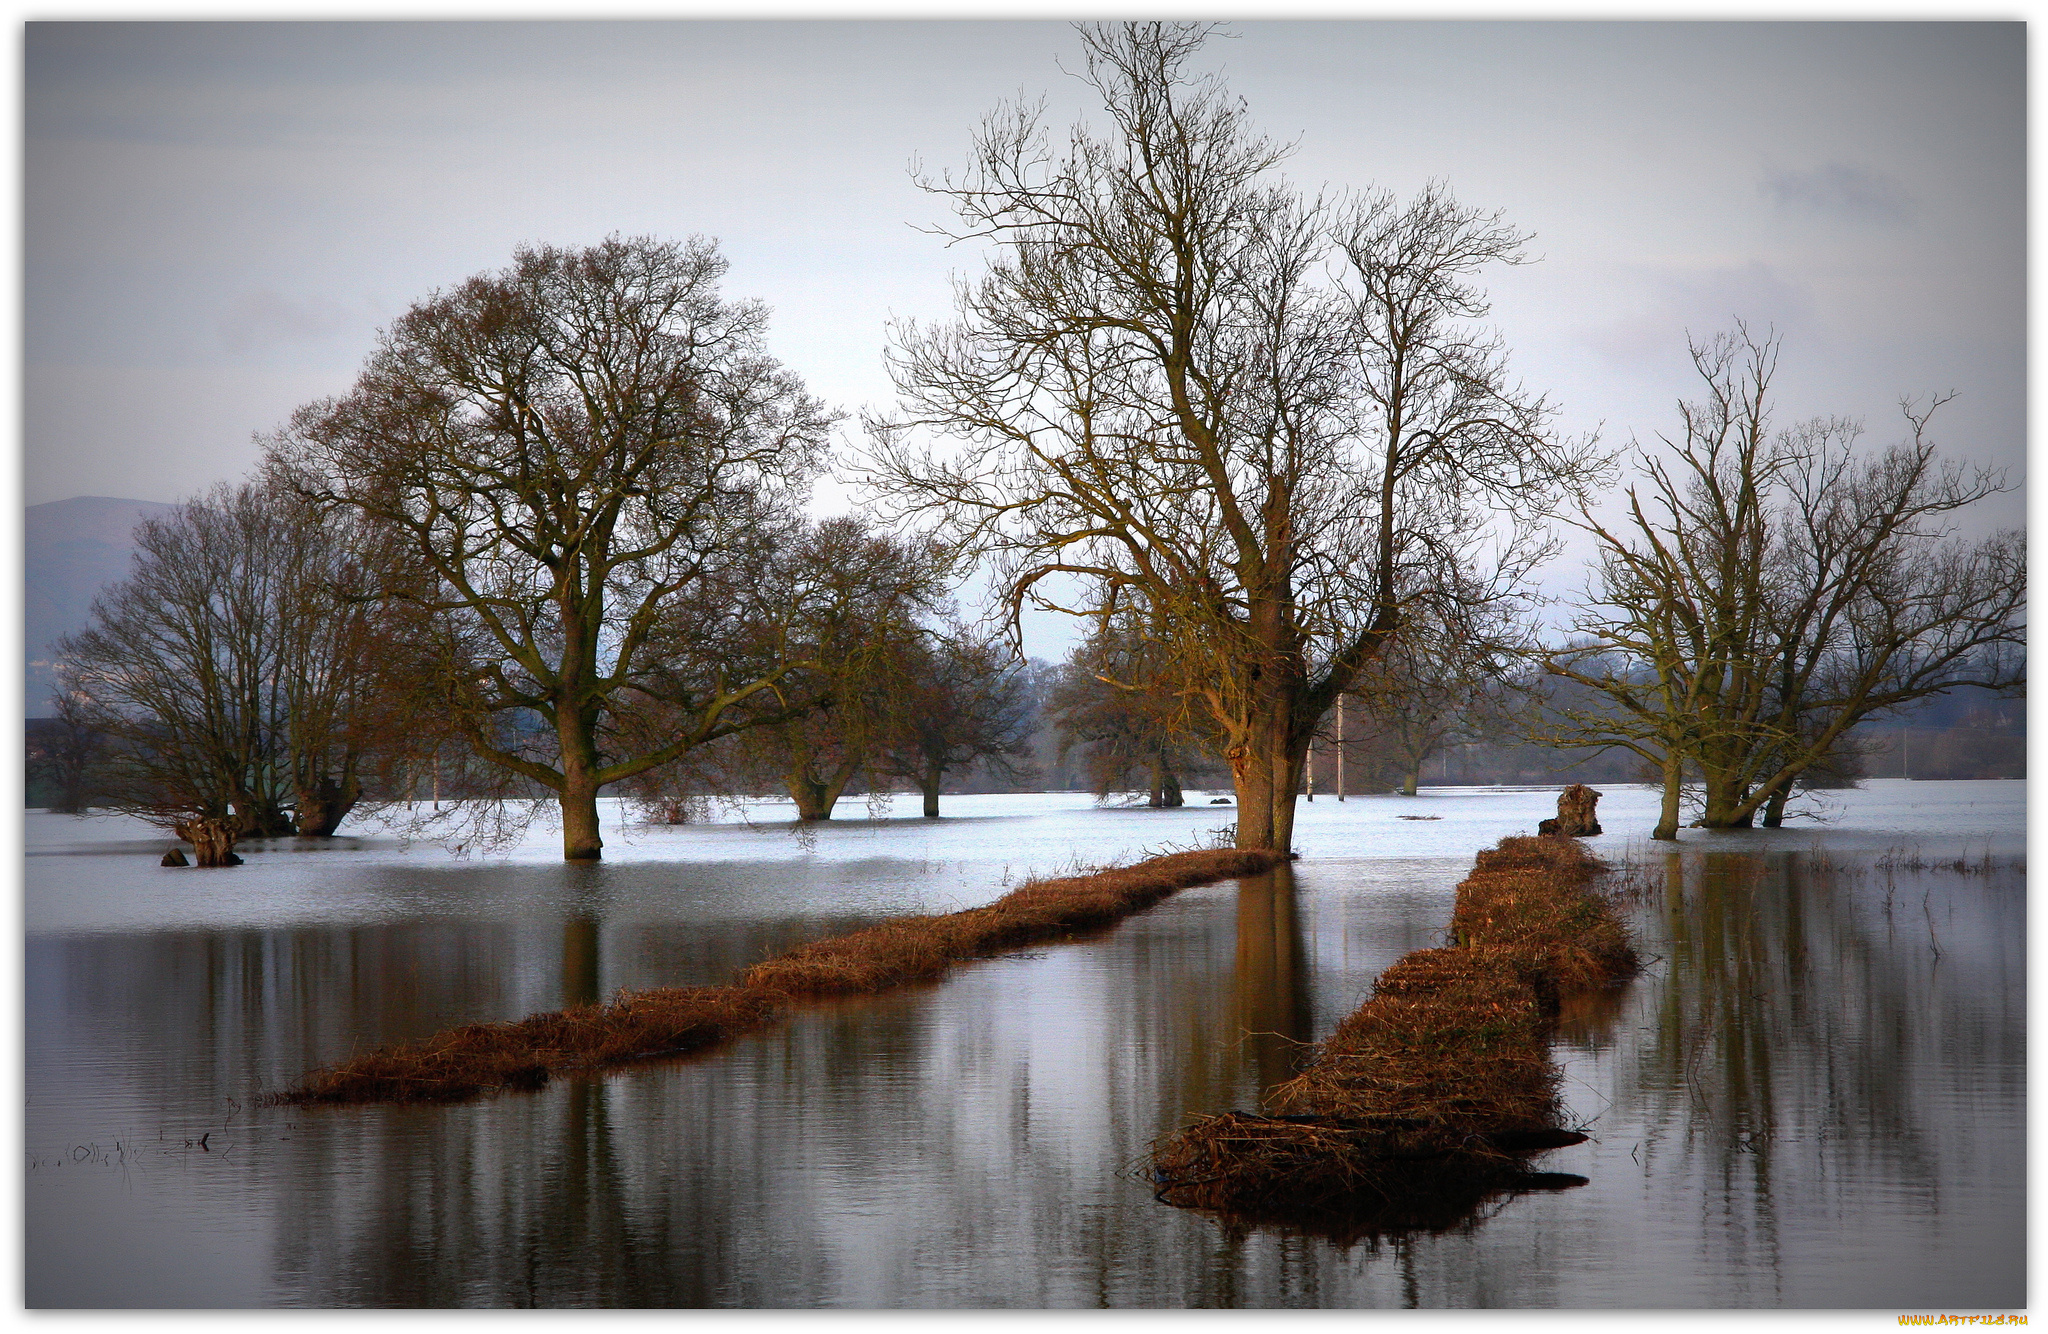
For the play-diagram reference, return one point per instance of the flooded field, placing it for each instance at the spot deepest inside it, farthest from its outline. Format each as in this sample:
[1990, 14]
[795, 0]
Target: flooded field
[1813, 1097]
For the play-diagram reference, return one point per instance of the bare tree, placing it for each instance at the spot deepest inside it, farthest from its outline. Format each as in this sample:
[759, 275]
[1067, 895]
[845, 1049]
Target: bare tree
[1429, 689]
[1770, 589]
[1160, 386]
[1119, 702]
[235, 672]
[64, 750]
[961, 699]
[595, 460]
[864, 664]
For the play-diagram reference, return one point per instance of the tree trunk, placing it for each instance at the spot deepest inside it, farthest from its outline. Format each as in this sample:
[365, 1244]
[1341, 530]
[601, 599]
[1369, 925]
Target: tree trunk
[812, 802]
[1267, 774]
[1667, 816]
[213, 839]
[262, 818]
[815, 796]
[581, 841]
[322, 808]
[1169, 786]
[1253, 783]
[1726, 795]
[1413, 780]
[928, 783]
[1774, 809]
[1165, 783]
[1291, 764]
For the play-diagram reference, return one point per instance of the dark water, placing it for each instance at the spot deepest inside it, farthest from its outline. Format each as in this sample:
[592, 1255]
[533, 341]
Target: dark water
[1813, 1098]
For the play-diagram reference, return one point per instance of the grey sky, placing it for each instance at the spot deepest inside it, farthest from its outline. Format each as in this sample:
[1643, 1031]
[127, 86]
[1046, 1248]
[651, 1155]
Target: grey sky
[219, 216]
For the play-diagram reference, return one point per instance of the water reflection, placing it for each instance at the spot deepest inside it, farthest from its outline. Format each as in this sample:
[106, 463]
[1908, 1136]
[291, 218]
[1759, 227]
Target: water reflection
[1800, 1029]
[1815, 1097]
[1272, 976]
[579, 961]
[1828, 1075]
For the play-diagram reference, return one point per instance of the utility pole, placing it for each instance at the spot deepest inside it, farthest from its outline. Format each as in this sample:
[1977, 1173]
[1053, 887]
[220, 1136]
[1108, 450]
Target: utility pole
[1340, 746]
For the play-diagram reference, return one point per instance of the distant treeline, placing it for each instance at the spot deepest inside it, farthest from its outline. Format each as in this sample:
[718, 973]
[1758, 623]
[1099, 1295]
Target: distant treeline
[1956, 736]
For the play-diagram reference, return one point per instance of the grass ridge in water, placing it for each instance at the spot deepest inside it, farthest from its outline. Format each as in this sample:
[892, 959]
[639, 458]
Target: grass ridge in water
[1433, 1093]
[474, 1059]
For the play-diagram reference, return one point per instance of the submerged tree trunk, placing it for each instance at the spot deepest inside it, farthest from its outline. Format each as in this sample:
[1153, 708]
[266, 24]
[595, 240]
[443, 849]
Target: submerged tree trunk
[813, 802]
[1774, 809]
[1166, 791]
[928, 783]
[581, 841]
[815, 797]
[1727, 802]
[1667, 815]
[262, 818]
[1291, 765]
[1253, 784]
[577, 734]
[213, 839]
[322, 808]
[1267, 774]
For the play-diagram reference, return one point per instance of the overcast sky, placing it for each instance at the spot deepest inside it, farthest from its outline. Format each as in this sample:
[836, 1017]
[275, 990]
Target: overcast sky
[219, 216]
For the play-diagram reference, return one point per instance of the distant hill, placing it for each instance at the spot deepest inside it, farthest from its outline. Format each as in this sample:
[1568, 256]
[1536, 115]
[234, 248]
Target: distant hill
[72, 549]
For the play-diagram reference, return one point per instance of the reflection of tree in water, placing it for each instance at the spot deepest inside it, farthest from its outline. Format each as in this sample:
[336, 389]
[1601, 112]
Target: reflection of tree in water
[1272, 976]
[1799, 1028]
[1405, 1194]
[194, 1018]
[939, 1146]
[581, 968]
[919, 1148]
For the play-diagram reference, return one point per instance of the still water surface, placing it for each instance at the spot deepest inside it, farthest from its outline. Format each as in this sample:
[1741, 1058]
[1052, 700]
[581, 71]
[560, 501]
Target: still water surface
[1814, 1097]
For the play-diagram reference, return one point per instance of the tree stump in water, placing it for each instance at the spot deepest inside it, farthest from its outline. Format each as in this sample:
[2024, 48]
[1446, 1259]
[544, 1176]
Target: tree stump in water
[212, 839]
[175, 857]
[1575, 817]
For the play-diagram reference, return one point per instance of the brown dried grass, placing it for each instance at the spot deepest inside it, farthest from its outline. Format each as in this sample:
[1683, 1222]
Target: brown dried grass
[916, 949]
[475, 1059]
[1440, 1085]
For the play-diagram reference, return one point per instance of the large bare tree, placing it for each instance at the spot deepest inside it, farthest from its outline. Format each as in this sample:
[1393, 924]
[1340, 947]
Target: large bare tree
[595, 461]
[1271, 420]
[1766, 590]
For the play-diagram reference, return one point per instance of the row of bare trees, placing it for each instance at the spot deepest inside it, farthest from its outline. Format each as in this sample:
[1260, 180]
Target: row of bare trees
[1261, 438]
[268, 667]
[1265, 436]
[558, 520]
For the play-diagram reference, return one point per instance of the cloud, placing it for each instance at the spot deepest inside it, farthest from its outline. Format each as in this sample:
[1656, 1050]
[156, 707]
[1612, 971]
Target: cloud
[1842, 190]
[263, 319]
[1673, 304]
